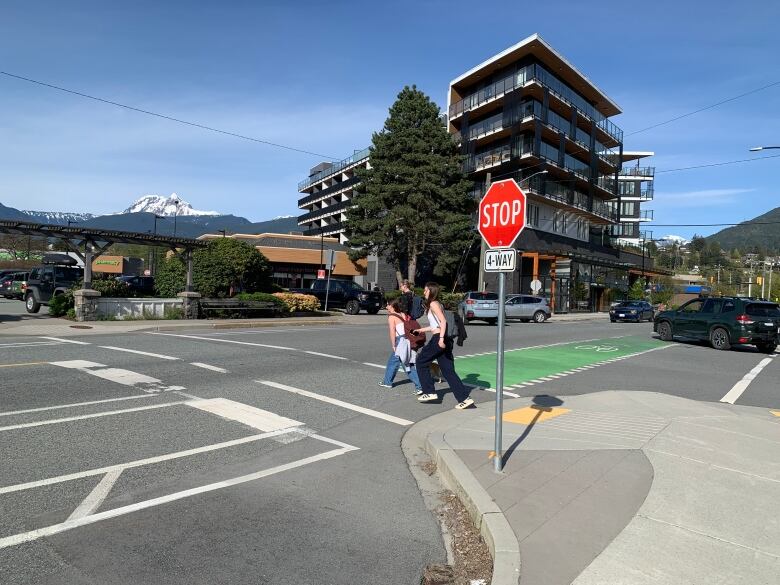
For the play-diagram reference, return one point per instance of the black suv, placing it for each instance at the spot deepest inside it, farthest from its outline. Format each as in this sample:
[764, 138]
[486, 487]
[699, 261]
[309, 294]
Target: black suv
[723, 321]
[54, 277]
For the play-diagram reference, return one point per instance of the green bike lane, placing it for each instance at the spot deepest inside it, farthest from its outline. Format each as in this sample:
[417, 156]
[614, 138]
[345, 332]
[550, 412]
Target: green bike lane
[525, 366]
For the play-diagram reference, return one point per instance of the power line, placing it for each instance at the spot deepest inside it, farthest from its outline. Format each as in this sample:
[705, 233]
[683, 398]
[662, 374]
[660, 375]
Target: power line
[720, 103]
[655, 225]
[164, 117]
[720, 164]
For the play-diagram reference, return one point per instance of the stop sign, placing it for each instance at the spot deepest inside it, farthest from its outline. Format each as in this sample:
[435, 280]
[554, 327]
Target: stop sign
[502, 214]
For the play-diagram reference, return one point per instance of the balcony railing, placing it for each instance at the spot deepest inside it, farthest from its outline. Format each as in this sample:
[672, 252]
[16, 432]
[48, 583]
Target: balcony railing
[324, 212]
[489, 159]
[539, 74]
[637, 172]
[646, 194]
[335, 168]
[328, 229]
[646, 215]
[329, 191]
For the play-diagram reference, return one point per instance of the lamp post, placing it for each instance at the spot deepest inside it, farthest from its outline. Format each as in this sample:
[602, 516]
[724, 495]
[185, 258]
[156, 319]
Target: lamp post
[760, 148]
[151, 248]
[175, 214]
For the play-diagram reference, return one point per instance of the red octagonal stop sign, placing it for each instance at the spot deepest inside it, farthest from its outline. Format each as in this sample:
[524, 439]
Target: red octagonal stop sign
[502, 214]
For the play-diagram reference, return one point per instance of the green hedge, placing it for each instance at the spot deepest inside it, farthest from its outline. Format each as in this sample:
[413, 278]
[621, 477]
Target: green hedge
[259, 296]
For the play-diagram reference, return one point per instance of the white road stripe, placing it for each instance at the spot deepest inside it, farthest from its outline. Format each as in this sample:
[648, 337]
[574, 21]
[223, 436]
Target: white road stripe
[209, 367]
[736, 391]
[234, 341]
[73, 405]
[96, 496]
[157, 355]
[341, 403]
[327, 355]
[55, 421]
[245, 414]
[510, 394]
[374, 365]
[73, 341]
[118, 375]
[86, 520]
[140, 462]
[29, 344]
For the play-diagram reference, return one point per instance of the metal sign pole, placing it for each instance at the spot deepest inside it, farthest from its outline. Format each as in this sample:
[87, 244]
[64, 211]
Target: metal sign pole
[330, 269]
[498, 460]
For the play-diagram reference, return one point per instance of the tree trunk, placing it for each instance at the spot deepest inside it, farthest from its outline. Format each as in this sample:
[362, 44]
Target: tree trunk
[412, 270]
[399, 276]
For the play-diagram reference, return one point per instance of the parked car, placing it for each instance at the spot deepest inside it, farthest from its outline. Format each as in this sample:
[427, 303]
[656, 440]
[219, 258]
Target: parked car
[527, 308]
[723, 321]
[56, 275]
[138, 285]
[19, 287]
[632, 311]
[346, 294]
[6, 281]
[479, 306]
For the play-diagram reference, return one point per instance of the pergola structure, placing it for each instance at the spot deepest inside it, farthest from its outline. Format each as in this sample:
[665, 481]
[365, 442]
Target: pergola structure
[90, 244]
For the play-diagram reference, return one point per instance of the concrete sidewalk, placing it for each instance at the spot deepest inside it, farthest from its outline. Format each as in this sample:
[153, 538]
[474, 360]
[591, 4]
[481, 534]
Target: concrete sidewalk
[38, 325]
[617, 488]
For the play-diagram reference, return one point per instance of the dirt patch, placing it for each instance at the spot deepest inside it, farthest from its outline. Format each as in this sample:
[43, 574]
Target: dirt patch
[473, 562]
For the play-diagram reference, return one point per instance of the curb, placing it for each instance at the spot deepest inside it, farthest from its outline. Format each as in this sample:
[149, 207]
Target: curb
[428, 435]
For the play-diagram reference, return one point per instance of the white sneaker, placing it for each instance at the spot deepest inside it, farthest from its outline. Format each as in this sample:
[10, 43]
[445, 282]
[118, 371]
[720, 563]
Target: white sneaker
[418, 392]
[383, 385]
[427, 397]
[469, 402]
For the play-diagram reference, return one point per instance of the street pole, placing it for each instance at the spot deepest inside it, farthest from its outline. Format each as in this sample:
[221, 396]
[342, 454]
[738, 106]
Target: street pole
[322, 249]
[482, 246]
[498, 460]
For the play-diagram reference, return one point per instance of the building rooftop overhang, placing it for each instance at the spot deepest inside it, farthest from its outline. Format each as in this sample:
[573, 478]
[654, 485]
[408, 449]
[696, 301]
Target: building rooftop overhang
[629, 155]
[536, 45]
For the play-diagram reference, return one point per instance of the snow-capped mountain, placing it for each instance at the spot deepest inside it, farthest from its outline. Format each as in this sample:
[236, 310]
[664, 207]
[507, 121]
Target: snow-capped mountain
[671, 240]
[57, 217]
[165, 206]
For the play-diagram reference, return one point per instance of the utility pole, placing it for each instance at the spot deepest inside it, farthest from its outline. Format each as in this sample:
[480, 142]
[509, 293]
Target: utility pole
[482, 246]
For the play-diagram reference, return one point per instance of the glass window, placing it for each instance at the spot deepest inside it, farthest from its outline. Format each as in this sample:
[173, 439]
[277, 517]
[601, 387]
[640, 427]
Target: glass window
[728, 307]
[533, 215]
[711, 306]
[483, 296]
[692, 307]
[762, 310]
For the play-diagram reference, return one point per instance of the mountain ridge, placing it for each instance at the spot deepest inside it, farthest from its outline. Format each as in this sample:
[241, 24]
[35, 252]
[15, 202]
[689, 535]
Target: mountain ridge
[762, 231]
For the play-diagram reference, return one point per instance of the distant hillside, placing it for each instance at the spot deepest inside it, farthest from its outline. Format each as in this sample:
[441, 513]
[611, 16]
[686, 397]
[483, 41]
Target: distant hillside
[745, 235]
[190, 226]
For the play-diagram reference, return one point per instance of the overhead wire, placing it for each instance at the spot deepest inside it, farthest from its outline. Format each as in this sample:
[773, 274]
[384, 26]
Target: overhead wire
[165, 117]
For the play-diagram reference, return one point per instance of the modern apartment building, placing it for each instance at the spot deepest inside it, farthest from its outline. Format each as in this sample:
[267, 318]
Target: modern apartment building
[635, 187]
[529, 114]
[326, 195]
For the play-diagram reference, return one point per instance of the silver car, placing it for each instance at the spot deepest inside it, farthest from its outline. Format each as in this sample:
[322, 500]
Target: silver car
[479, 306]
[527, 308]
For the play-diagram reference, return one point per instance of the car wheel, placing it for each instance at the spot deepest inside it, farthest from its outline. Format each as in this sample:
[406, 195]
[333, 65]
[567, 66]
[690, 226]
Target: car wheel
[665, 331]
[719, 338]
[611, 320]
[31, 304]
[373, 311]
[769, 347]
[540, 317]
[353, 307]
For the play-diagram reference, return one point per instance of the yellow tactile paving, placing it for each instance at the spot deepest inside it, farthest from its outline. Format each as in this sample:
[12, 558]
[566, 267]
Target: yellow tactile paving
[533, 414]
[775, 412]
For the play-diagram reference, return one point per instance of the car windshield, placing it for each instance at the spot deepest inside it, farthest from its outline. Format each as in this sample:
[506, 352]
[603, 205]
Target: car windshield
[632, 304]
[484, 296]
[350, 285]
[67, 273]
[763, 310]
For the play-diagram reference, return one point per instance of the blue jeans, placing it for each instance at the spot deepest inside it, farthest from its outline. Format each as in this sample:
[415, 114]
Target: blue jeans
[393, 363]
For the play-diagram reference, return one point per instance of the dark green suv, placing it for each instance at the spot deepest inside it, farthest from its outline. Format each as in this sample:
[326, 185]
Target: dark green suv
[723, 321]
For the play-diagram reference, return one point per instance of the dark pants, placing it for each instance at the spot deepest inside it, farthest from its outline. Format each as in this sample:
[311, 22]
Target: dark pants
[432, 352]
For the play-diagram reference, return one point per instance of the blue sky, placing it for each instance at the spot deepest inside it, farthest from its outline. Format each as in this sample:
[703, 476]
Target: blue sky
[320, 76]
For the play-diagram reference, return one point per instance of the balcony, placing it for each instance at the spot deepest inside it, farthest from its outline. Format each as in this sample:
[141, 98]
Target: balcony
[646, 215]
[324, 212]
[327, 192]
[646, 194]
[638, 172]
[487, 160]
[332, 170]
[326, 230]
[536, 73]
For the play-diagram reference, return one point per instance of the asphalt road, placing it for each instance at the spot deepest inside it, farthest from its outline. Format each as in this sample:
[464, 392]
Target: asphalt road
[270, 456]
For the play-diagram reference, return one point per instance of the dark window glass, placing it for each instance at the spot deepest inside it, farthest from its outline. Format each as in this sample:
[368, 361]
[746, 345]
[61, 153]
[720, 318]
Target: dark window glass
[711, 306]
[728, 307]
[762, 310]
[484, 296]
[65, 273]
[692, 307]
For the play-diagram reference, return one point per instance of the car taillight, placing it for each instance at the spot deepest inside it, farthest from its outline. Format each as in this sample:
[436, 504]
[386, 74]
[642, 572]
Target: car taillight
[744, 320]
[471, 302]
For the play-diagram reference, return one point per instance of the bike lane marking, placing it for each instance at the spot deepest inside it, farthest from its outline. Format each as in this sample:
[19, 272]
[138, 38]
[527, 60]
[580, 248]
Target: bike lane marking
[543, 364]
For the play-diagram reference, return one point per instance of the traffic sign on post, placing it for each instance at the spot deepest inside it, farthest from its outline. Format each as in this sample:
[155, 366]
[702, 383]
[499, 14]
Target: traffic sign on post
[502, 214]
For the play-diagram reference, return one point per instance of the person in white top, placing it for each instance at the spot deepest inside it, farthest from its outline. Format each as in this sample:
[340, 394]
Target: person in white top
[439, 349]
[402, 353]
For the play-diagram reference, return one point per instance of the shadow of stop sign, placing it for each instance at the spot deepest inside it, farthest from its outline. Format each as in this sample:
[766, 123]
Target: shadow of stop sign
[502, 214]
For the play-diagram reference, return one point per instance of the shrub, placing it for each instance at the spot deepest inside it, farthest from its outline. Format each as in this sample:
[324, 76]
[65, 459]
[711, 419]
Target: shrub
[266, 297]
[451, 300]
[112, 288]
[59, 305]
[71, 314]
[392, 295]
[298, 302]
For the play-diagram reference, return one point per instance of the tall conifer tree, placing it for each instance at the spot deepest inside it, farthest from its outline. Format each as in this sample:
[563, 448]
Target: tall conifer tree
[413, 204]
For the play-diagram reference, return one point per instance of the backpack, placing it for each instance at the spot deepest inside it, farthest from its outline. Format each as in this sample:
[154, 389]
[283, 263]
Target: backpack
[415, 340]
[416, 310]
